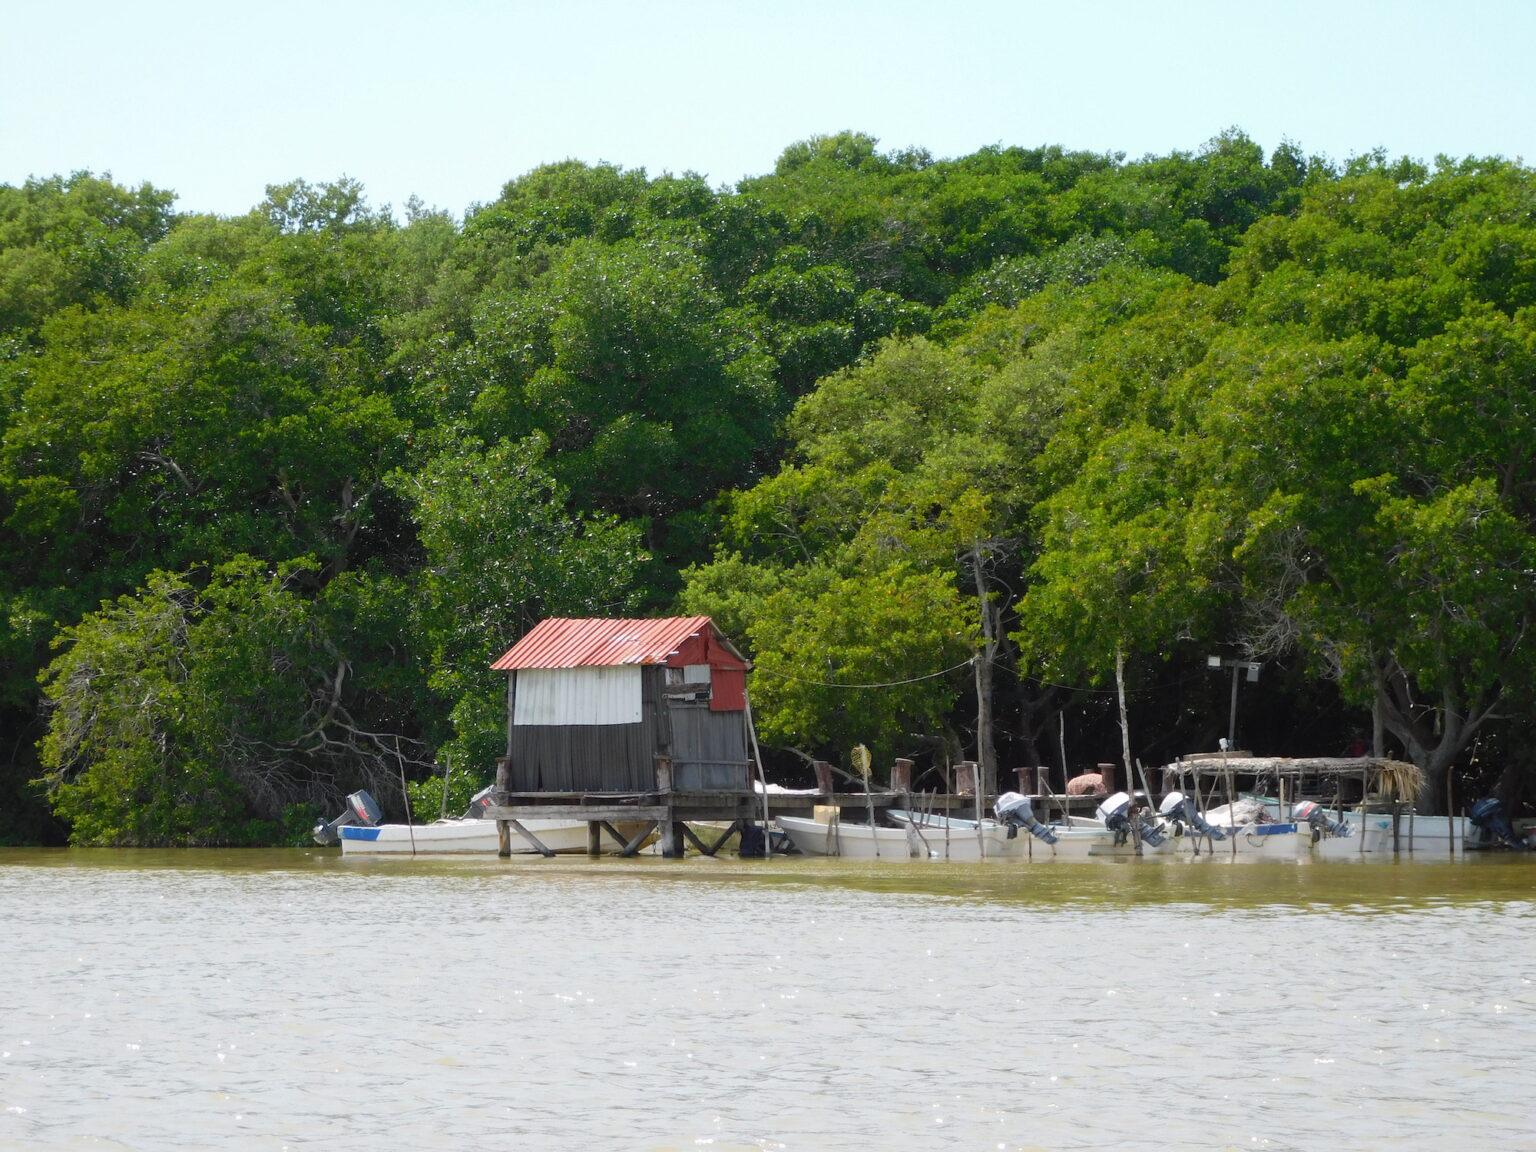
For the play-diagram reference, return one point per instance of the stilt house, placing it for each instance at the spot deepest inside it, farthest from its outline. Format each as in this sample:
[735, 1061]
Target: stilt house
[626, 706]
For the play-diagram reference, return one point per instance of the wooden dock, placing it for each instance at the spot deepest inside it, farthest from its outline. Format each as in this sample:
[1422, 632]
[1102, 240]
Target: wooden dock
[669, 814]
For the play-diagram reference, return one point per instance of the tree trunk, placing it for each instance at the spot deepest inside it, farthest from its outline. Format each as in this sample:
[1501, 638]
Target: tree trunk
[986, 748]
[1432, 737]
[1125, 724]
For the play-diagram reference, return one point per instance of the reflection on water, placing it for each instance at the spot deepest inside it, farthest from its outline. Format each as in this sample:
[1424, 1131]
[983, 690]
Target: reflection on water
[292, 999]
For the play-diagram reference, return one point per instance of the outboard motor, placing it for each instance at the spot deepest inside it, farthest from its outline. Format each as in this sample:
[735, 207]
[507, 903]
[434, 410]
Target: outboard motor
[1493, 827]
[1179, 809]
[1015, 812]
[1322, 824]
[478, 803]
[362, 809]
[1117, 813]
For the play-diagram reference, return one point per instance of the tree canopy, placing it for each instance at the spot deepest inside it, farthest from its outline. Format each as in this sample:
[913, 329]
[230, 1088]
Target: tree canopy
[274, 489]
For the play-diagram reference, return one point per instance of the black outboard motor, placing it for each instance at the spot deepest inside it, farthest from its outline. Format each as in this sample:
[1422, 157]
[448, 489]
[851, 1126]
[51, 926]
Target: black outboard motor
[1118, 811]
[478, 803]
[1322, 824]
[362, 809]
[1015, 811]
[1180, 810]
[1492, 827]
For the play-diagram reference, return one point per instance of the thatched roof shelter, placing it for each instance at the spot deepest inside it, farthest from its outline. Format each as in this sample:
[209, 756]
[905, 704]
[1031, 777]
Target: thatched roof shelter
[1391, 777]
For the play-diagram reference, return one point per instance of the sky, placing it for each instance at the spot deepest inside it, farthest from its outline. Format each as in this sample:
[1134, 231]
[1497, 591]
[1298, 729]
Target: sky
[450, 100]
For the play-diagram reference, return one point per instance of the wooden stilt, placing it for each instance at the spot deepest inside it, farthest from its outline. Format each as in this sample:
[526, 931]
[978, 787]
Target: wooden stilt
[1450, 816]
[594, 838]
[672, 839]
[1364, 786]
[1231, 803]
[503, 839]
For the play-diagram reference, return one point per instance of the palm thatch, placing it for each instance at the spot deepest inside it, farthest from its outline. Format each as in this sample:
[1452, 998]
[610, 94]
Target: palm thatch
[1395, 778]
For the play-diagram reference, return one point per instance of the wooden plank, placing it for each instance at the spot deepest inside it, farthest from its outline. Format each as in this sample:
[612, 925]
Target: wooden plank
[574, 812]
[634, 845]
[538, 845]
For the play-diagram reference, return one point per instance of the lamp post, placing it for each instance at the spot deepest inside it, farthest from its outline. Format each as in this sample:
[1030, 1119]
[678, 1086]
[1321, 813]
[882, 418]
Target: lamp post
[1252, 667]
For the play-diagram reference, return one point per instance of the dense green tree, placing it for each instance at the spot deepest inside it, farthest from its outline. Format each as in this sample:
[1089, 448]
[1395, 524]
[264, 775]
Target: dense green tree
[502, 551]
[1040, 410]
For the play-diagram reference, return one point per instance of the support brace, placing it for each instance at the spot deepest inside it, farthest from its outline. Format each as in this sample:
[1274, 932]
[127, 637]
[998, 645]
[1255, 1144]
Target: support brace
[538, 845]
[634, 845]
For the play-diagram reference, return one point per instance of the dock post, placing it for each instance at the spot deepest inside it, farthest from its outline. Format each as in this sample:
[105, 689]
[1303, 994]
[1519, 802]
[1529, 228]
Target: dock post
[671, 838]
[824, 782]
[503, 782]
[594, 838]
[1450, 818]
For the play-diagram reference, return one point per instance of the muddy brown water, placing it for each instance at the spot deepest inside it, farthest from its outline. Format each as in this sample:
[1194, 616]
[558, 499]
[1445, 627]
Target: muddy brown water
[290, 999]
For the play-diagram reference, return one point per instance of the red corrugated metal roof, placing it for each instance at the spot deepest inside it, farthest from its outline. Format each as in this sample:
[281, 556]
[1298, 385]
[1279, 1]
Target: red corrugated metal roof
[599, 643]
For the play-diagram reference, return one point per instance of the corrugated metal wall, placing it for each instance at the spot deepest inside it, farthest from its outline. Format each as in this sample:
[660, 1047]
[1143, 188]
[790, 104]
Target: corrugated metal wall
[577, 696]
[586, 757]
[709, 749]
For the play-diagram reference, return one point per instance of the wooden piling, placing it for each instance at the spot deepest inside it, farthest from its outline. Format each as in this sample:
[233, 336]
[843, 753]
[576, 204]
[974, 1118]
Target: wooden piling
[1226, 774]
[594, 838]
[1450, 817]
[1364, 787]
[503, 768]
[671, 838]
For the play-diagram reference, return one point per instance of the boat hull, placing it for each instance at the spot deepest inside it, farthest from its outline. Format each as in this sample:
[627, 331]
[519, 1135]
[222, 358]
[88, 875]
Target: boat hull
[1083, 839]
[466, 837]
[858, 841]
[1271, 841]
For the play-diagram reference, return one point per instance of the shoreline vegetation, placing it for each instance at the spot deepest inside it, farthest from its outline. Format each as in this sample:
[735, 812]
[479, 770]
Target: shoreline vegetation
[275, 488]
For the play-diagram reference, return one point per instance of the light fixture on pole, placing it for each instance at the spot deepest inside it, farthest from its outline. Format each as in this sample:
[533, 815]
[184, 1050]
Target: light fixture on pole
[1252, 667]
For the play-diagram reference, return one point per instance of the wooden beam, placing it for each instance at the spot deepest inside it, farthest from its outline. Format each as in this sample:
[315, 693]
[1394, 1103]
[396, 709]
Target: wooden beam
[538, 845]
[724, 836]
[634, 845]
[693, 837]
[503, 839]
[594, 838]
[574, 812]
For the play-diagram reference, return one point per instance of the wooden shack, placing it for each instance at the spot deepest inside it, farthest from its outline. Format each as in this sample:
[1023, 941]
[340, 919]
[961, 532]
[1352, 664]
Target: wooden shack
[626, 706]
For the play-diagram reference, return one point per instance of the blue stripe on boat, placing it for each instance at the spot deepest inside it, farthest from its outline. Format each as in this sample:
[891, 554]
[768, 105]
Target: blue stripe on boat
[1259, 830]
[352, 832]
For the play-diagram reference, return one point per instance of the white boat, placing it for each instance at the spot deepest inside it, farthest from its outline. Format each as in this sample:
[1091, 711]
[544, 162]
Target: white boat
[1277, 840]
[1078, 841]
[1419, 835]
[863, 842]
[467, 837]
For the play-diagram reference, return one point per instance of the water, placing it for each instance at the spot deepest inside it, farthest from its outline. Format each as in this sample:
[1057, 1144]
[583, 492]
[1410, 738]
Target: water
[272, 1000]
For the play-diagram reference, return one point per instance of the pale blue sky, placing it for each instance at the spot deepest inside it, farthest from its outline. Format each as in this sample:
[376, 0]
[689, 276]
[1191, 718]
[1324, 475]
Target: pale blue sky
[450, 99]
